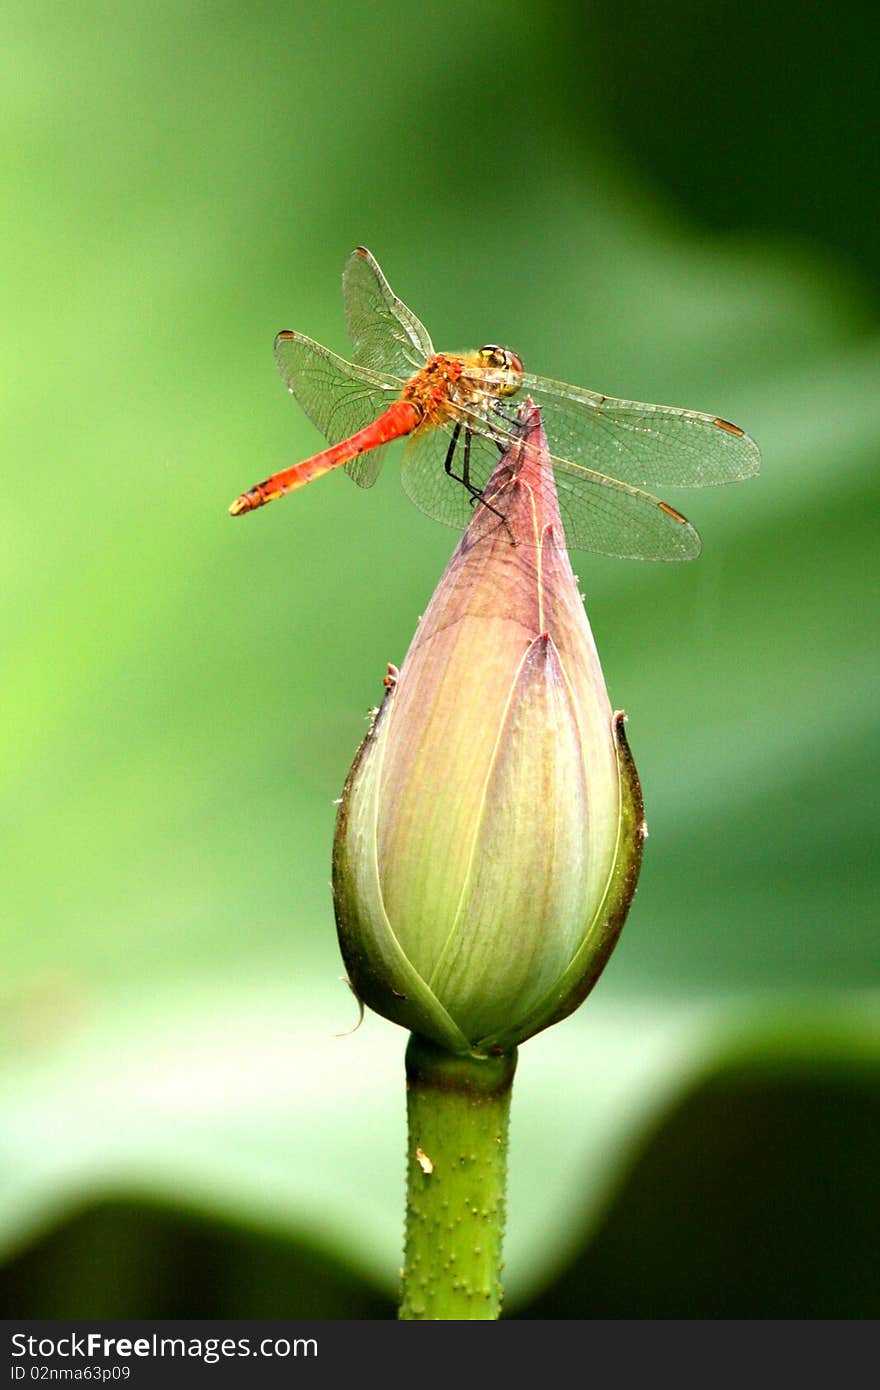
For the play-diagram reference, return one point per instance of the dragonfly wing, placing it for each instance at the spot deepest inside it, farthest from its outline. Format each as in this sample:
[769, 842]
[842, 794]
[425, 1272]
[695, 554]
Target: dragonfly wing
[604, 514]
[598, 513]
[385, 335]
[645, 445]
[338, 397]
[365, 469]
[614, 518]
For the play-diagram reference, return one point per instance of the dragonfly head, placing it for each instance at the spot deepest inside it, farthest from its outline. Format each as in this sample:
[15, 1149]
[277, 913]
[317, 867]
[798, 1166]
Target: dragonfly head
[507, 364]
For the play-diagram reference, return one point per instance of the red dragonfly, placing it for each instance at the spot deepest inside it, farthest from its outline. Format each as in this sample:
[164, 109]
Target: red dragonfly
[456, 410]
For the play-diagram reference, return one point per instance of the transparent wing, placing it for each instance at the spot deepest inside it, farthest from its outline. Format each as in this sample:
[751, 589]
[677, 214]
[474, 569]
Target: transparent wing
[385, 335]
[613, 518]
[338, 397]
[605, 514]
[645, 445]
[365, 469]
[598, 513]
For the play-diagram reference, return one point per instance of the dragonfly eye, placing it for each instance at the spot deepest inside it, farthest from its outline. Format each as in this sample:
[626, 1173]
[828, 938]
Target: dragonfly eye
[493, 355]
[501, 359]
[506, 368]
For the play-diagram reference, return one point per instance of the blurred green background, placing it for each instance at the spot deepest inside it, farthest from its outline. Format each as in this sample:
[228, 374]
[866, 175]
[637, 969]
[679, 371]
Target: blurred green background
[672, 202]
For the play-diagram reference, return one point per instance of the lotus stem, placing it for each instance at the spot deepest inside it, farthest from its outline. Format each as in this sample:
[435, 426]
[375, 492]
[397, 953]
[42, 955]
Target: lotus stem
[457, 1111]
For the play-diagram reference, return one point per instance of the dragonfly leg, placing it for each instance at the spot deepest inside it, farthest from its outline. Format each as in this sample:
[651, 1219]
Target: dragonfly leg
[450, 452]
[464, 477]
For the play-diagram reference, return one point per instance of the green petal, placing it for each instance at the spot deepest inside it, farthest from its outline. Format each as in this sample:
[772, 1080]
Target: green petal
[378, 969]
[520, 917]
[576, 982]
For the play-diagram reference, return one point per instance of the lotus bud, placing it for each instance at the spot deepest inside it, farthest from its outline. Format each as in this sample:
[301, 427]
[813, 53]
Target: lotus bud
[489, 835]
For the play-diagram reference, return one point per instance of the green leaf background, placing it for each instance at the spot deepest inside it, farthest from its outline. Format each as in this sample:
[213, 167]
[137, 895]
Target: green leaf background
[662, 202]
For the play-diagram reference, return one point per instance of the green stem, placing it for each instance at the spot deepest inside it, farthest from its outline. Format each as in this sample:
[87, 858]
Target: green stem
[456, 1173]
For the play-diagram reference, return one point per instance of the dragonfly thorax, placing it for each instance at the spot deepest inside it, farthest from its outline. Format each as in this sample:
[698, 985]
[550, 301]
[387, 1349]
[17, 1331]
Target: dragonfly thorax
[434, 385]
[471, 379]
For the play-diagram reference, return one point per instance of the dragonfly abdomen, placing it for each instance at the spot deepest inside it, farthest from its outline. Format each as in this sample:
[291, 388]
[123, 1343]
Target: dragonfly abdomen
[399, 419]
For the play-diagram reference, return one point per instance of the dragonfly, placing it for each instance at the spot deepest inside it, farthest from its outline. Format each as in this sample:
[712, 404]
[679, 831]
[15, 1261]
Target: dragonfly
[458, 412]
